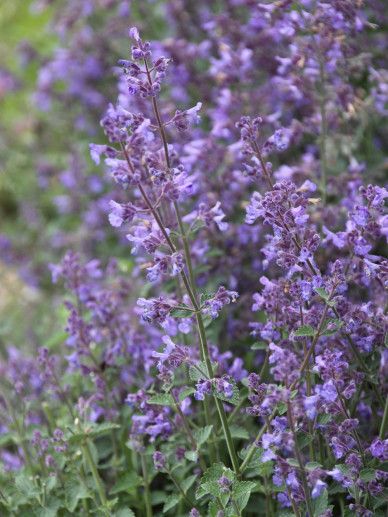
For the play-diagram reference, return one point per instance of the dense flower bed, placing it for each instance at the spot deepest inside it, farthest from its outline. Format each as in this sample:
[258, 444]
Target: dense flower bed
[228, 356]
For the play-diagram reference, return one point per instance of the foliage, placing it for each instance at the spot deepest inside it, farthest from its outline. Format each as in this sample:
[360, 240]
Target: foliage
[196, 322]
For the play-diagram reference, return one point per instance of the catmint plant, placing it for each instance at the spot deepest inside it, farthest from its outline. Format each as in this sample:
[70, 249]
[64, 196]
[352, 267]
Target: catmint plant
[224, 341]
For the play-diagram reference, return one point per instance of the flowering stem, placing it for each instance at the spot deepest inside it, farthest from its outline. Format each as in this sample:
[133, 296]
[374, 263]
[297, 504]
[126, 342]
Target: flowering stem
[147, 493]
[252, 448]
[191, 289]
[220, 407]
[384, 422]
[299, 460]
[21, 436]
[180, 489]
[190, 435]
[315, 340]
[96, 476]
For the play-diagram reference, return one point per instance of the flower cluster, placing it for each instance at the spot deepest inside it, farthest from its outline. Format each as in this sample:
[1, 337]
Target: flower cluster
[226, 350]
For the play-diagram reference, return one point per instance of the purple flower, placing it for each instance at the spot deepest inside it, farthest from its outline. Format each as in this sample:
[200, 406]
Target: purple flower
[159, 460]
[183, 119]
[202, 388]
[222, 297]
[121, 213]
[379, 449]
[224, 484]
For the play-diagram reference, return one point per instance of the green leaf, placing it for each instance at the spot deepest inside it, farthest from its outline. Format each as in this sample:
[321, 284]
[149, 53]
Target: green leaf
[126, 482]
[345, 470]
[304, 331]
[92, 430]
[367, 475]
[161, 399]
[312, 465]
[202, 435]
[191, 456]
[124, 512]
[181, 313]
[26, 486]
[100, 429]
[304, 439]
[259, 346]
[333, 322]
[261, 468]
[209, 482]
[75, 490]
[241, 493]
[195, 375]
[321, 503]
[187, 483]
[232, 400]
[293, 462]
[322, 293]
[324, 419]
[239, 432]
[186, 393]
[50, 509]
[380, 500]
[171, 501]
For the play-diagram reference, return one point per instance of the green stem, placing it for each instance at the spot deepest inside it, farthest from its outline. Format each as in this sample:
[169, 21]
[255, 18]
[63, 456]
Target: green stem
[219, 406]
[96, 476]
[147, 493]
[190, 285]
[384, 422]
[253, 447]
[180, 489]
[300, 461]
[19, 432]
[190, 435]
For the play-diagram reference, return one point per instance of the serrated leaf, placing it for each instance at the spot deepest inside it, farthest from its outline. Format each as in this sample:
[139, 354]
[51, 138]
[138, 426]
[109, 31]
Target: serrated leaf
[239, 432]
[209, 480]
[344, 469]
[335, 323]
[380, 500]
[187, 483]
[171, 501]
[191, 456]
[304, 439]
[126, 482]
[324, 419]
[161, 399]
[91, 430]
[232, 400]
[214, 489]
[241, 493]
[367, 475]
[304, 331]
[312, 465]
[50, 509]
[26, 486]
[201, 371]
[202, 435]
[322, 293]
[259, 346]
[321, 503]
[181, 313]
[124, 512]
[99, 429]
[186, 393]
[75, 490]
